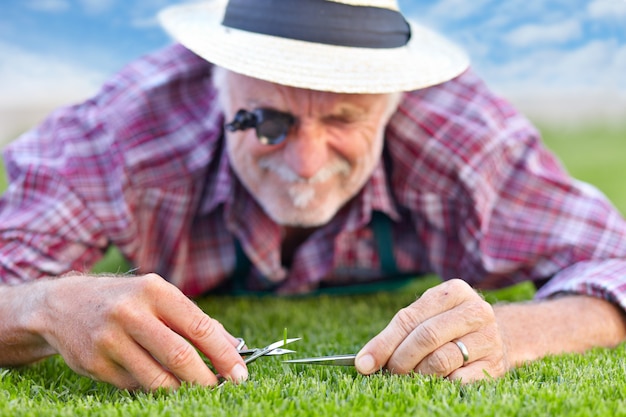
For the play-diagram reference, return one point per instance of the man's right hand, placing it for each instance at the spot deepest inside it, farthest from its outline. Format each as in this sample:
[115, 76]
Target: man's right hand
[133, 332]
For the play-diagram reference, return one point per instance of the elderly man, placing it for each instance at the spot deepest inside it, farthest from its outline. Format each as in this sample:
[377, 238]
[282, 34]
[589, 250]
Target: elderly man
[301, 144]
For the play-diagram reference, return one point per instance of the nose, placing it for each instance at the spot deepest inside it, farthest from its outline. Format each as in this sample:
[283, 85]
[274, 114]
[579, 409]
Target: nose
[306, 149]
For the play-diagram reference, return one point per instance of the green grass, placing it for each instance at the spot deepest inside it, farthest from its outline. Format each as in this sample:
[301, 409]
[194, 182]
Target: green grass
[578, 385]
[587, 385]
[595, 154]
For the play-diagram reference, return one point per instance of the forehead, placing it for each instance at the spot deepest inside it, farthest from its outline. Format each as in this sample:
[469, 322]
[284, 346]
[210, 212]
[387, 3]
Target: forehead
[252, 92]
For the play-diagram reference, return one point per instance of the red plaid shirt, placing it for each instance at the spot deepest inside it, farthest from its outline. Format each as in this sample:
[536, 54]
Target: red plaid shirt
[471, 191]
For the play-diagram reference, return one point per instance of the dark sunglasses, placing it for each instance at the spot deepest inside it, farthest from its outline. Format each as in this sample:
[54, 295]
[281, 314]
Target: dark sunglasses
[271, 126]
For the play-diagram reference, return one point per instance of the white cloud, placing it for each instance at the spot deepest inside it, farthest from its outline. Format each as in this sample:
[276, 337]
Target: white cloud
[54, 6]
[144, 22]
[595, 66]
[607, 9]
[448, 10]
[573, 86]
[32, 85]
[544, 34]
[29, 78]
[94, 7]
[545, 10]
[144, 14]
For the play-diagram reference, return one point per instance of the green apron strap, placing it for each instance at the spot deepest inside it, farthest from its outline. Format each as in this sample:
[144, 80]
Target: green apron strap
[241, 271]
[382, 228]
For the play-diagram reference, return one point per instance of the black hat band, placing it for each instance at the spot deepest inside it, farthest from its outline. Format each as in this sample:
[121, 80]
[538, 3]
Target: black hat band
[320, 21]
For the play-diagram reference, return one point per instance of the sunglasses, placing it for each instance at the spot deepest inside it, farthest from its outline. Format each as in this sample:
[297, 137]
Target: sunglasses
[271, 126]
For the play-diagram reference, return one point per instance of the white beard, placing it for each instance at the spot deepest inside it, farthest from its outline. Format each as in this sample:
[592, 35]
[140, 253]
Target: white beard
[302, 190]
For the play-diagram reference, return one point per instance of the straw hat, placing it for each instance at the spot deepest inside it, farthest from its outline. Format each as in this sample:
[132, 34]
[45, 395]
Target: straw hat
[304, 43]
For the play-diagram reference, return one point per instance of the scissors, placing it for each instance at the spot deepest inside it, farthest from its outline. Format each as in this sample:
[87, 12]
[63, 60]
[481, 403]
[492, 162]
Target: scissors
[273, 349]
[334, 360]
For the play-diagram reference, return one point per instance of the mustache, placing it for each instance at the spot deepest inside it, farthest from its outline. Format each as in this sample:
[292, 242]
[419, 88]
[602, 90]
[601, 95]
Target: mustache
[276, 165]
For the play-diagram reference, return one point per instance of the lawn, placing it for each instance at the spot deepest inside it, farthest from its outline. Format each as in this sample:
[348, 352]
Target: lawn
[576, 385]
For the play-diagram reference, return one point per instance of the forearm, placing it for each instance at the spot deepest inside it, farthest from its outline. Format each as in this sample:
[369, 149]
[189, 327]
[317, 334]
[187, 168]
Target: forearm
[566, 324]
[20, 343]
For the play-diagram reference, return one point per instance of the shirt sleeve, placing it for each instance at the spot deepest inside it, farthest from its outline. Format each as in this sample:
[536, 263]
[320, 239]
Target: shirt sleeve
[47, 221]
[602, 279]
[559, 232]
[127, 167]
[494, 206]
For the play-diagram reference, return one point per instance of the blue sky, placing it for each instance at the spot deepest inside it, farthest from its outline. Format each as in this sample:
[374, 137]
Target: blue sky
[50, 49]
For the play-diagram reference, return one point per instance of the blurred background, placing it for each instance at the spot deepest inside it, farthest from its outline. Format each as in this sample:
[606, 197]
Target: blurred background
[559, 61]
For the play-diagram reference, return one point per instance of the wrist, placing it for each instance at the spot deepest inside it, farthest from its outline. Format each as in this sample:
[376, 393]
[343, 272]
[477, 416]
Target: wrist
[535, 329]
[25, 321]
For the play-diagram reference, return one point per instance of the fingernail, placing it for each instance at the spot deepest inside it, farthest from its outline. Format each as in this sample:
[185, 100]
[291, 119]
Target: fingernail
[239, 373]
[366, 364]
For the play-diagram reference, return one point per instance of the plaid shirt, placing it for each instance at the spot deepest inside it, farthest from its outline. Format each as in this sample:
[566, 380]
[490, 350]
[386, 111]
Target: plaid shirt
[470, 189]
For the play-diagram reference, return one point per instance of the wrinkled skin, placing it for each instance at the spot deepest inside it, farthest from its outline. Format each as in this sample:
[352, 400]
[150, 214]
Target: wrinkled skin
[420, 337]
[133, 332]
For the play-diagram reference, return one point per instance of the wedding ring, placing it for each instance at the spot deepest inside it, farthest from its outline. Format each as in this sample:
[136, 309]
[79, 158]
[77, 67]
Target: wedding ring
[463, 350]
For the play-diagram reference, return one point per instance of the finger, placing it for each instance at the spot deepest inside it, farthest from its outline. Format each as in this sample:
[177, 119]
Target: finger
[478, 370]
[233, 340]
[377, 352]
[121, 379]
[448, 358]
[119, 360]
[437, 331]
[173, 359]
[208, 335]
[163, 371]
[142, 370]
[167, 329]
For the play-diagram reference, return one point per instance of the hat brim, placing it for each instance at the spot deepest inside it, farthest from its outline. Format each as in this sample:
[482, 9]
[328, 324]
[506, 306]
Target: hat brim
[428, 59]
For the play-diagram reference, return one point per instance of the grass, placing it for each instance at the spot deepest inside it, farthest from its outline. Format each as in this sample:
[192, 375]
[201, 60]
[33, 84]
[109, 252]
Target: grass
[595, 154]
[578, 385]
[565, 385]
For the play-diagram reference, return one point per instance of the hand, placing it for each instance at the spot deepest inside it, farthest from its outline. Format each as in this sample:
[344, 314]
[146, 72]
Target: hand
[135, 332]
[421, 337]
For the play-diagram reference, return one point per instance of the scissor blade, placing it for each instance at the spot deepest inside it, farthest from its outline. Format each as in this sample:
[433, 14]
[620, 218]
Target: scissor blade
[275, 352]
[281, 343]
[335, 360]
[269, 348]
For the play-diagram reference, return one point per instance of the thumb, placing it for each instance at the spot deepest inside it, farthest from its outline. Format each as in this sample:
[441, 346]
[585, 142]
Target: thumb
[367, 361]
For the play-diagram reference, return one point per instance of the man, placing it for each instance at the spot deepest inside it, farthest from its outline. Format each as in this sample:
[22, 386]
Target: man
[285, 167]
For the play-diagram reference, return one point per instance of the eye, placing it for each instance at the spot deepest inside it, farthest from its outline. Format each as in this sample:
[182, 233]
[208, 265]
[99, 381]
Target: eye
[341, 120]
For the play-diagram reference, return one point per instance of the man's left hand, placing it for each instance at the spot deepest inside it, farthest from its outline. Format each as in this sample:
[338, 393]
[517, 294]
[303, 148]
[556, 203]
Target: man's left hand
[423, 337]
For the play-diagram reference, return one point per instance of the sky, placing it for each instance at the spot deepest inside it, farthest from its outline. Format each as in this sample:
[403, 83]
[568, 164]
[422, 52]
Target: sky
[57, 51]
